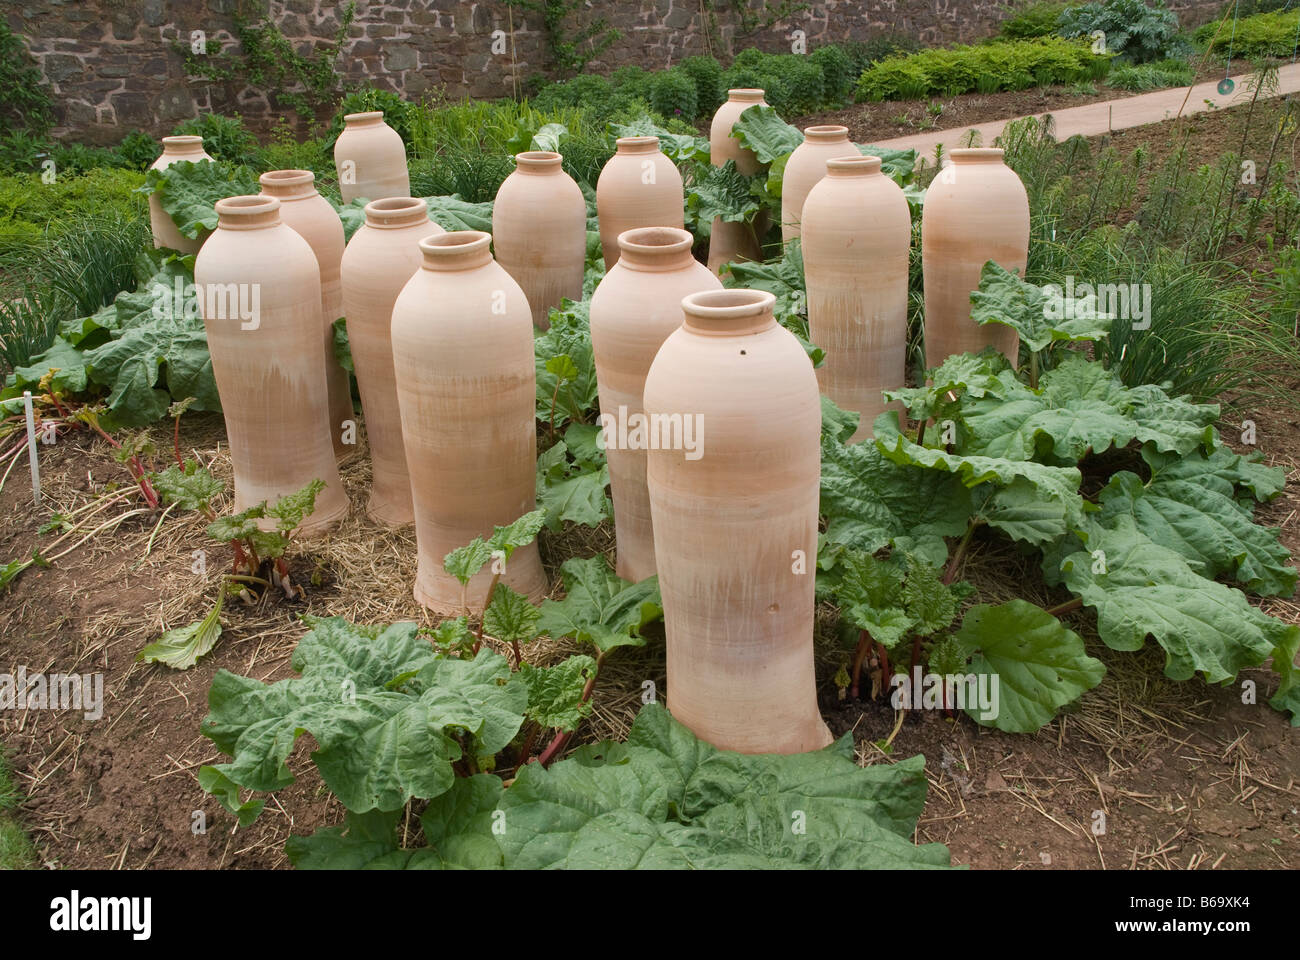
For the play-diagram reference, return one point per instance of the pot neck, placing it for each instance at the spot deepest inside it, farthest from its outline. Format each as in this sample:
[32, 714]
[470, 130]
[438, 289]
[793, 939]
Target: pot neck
[856, 167]
[455, 251]
[539, 163]
[248, 213]
[183, 147]
[395, 213]
[729, 313]
[289, 184]
[829, 133]
[745, 95]
[628, 146]
[970, 155]
[655, 249]
[372, 118]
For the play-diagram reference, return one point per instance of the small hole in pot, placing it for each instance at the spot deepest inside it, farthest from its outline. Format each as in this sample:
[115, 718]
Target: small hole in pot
[742, 353]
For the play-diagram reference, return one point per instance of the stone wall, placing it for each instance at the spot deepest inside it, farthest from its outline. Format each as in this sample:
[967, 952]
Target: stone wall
[117, 65]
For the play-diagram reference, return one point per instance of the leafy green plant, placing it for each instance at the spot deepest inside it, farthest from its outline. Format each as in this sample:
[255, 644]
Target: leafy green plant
[397, 112]
[25, 101]
[396, 721]
[1270, 34]
[673, 93]
[1034, 19]
[224, 138]
[1138, 30]
[988, 68]
[706, 74]
[138, 149]
[566, 367]
[264, 58]
[189, 192]
[571, 479]
[1151, 76]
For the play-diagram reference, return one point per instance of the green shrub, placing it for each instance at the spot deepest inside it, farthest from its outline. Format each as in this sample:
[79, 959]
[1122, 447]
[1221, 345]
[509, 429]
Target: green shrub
[397, 112]
[1137, 30]
[1263, 35]
[862, 54]
[837, 72]
[672, 93]
[1151, 76]
[706, 73]
[224, 138]
[22, 152]
[1034, 20]
[25, 102]
[472, 175]
[632, 81]
[75, 158]
[1007, 65]
[805, 87]
[138, 150]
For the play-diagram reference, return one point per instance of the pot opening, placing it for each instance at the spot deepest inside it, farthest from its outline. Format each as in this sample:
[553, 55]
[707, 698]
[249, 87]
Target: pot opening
[728, 312]
[637, 144]
[538, 161]
[396, 212]
[855, 166]
[827, 133]
[746, 94]
[248, 212]
[370, 116]
[654, 247]
[186, 143]
[456, 250]
[976, 155]
[288, 183]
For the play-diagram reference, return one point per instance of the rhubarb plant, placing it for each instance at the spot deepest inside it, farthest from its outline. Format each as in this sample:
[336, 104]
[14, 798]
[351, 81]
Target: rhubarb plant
[1131, 500]
[397, 722]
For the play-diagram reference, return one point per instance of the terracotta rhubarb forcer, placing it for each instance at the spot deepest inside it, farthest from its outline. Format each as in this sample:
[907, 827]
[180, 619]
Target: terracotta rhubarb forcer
[638, 187]
[635, 308]
[312, 218]
[539, 230]
[165, 233]
[976, 210]
[370, 159]
[857, 231]
[379, 260]
[463, 354]
[735, 524]
[806, 166]
[258, 287]
[734, 241]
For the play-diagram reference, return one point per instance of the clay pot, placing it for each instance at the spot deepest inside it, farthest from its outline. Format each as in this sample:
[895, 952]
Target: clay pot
[381, 257]
[857, 231]
[735, 524]
[463, 355]
[165, 233]
[259, 294]
[370, 159]
[976, 210]
[312, 218]
[734, 241]
[539, 229]
[633, 310]
[638, 187]
[807, 165]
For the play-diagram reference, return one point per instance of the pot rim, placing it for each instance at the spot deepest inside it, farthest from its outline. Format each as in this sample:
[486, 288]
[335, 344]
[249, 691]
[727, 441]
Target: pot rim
[247, 212]
[289, 184]
[393, 212]
[746, 94]
[977, 154]
[183, 141]
[729, 312]
[364, 118]
[456, 250]
[826, 132]
[859, 165]
[539, 161]
[642, 246]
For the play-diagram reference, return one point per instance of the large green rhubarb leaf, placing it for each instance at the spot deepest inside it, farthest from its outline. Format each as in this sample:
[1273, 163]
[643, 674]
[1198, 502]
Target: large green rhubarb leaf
[1140, 588]
[667, 800]
[599, 607]
[1039, 664]
[761, 129]
[1039, 314]
[381, 740]
[1208, 528]
[872, 501]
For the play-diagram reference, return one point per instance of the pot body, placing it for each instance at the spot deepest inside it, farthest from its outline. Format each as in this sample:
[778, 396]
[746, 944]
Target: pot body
[379, 260]
[638, 187]
[736, 527]
[370, 159]
[806, 166]
[633, 310]
[310, 216]
[976, 210]
[734, 241]
[857, 231]
[164, 229]
[259, 295]
[466, 386]
[539, 229]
